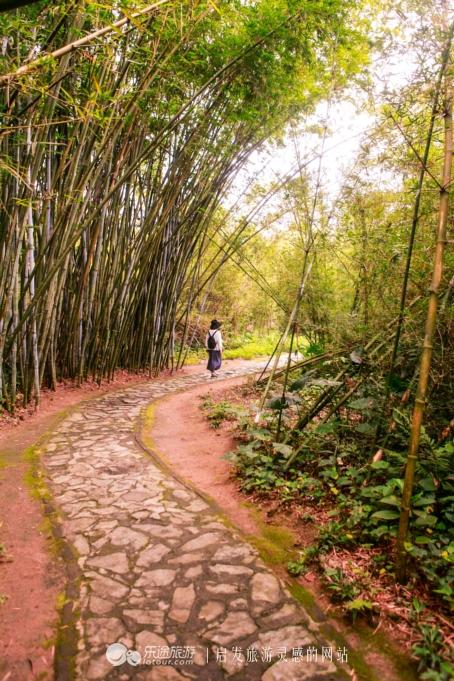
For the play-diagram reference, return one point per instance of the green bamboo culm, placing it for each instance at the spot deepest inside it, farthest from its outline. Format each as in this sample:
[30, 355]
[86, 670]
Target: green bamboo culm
[428, 342]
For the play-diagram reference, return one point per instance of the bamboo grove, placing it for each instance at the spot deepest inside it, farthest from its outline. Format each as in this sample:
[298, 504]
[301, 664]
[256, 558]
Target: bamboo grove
[121, 131]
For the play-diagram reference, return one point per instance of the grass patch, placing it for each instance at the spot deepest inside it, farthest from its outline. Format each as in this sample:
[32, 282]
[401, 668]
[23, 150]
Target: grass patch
[247, 346]
[249, 350]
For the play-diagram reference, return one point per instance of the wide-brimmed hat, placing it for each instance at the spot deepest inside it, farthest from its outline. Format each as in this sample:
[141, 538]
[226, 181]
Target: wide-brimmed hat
[215, 324]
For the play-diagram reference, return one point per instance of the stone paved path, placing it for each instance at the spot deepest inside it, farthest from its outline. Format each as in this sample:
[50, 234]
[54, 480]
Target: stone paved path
[158, 569]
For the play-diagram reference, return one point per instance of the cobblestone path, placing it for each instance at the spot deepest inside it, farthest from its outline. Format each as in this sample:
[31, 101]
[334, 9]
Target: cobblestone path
[159, 572]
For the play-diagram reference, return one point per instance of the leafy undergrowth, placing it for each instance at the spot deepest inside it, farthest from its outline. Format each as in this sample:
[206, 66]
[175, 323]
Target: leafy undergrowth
[218, 412]
[328, 480]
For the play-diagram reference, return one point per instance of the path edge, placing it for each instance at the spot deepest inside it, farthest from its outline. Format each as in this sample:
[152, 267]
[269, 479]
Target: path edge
[145, 442]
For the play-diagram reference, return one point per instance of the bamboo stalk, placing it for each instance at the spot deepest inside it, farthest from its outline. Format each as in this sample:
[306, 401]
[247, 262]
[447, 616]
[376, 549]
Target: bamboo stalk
[416, 206]
[428, 342]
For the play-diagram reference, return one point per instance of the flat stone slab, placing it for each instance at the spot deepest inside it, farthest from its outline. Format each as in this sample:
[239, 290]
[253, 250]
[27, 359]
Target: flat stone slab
[265, 587]
[236, 626]
[162, 580]
[127, 538]
[202, 542]
[161, 577]
[116, 562]
[182, 602]
[153, 554]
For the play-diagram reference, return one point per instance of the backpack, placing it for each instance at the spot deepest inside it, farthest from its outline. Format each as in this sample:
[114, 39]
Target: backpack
[211, 341]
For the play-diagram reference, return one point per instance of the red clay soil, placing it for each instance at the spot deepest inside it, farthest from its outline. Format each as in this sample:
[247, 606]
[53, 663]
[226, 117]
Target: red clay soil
[195, 449]
[32, 577]
[30, 581]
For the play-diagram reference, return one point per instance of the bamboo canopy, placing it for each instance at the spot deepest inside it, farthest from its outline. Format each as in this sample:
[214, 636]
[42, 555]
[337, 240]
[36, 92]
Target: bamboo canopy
[120, 135]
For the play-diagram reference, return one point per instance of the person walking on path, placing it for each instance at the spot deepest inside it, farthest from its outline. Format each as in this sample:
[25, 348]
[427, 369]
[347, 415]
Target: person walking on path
[214, 346]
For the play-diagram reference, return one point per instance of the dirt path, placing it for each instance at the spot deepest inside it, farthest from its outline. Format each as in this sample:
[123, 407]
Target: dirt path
[195, 450]
[153, 568]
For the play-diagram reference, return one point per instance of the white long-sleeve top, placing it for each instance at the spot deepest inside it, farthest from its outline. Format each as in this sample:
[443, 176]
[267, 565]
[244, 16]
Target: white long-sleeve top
[217, 337]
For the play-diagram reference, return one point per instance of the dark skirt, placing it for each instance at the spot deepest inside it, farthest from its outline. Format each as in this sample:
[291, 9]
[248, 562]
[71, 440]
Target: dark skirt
[214, 360]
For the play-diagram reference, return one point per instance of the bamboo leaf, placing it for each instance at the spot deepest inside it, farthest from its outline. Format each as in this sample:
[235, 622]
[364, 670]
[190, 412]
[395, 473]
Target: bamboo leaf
[386, 515]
